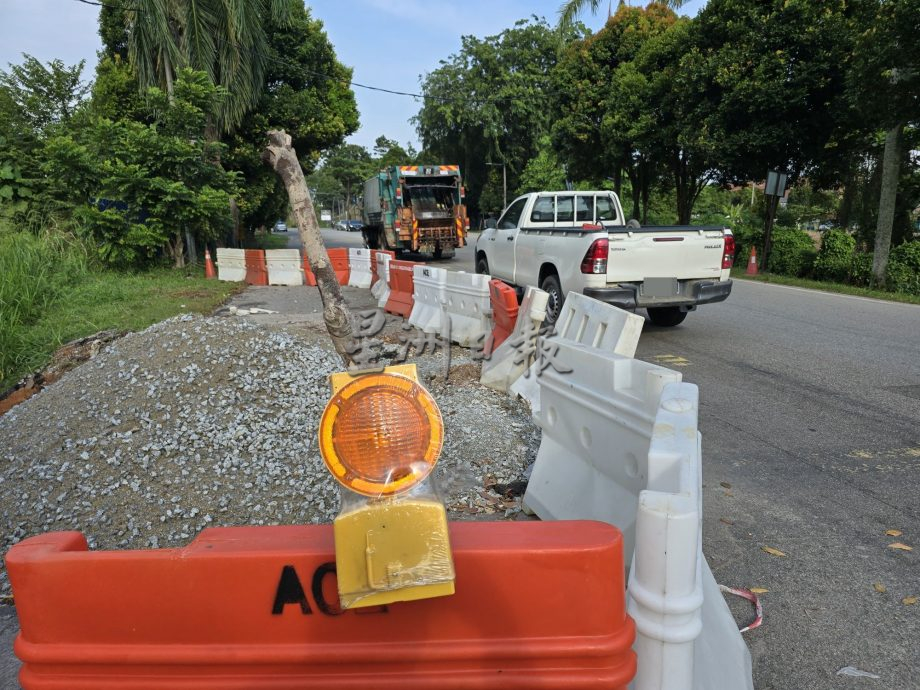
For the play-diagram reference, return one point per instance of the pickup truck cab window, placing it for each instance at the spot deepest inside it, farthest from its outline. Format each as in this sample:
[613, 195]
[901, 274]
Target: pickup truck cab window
[565, 207]
[606, 210]
[544, 210]
[511, 217]
[584, 209]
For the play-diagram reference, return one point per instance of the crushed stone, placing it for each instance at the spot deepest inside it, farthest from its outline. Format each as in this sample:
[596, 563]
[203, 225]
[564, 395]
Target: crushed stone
[198, 422]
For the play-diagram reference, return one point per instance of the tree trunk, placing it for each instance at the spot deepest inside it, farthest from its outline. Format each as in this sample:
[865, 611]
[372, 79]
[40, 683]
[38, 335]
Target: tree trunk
[192, 250]
[178, 250]
[280, 155]
[891, 167]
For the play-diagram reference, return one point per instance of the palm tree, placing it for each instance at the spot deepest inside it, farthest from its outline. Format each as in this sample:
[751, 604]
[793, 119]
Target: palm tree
[224, 38]
[572, 8]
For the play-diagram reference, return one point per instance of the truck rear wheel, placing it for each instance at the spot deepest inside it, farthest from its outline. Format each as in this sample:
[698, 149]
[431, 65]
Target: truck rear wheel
[666, 316]
[551, 286]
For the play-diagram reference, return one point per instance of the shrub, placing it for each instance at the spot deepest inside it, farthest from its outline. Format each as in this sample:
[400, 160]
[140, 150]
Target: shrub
[903, 274]
[861, 269]
[792, 252]
[835, 260]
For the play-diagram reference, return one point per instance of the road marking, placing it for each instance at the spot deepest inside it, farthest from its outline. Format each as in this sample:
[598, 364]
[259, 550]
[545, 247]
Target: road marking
[891, 453]
[815, 291]
[671, 360]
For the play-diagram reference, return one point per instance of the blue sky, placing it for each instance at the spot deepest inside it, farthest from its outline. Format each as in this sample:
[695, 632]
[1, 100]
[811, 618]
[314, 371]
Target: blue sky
[388, 43]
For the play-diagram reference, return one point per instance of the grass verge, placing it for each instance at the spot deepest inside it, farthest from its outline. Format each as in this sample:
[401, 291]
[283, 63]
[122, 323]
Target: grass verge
[108, 300]
[828, 287]
[266, 241]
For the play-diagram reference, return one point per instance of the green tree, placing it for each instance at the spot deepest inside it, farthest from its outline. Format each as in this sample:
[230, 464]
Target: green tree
[36, 97]
[135, 189]
[226, 39]
[606, 121]
[886, 81]
[349, 165]
[388, 152]
[490, 102]
[306, 94]
[543, 171]
[570, 9]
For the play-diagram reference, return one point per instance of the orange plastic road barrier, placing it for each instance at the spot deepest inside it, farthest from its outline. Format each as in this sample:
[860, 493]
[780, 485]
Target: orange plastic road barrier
[402, 287]
[308, 277]
[504, 314]
[256, 268]
[374, 253]
[752, 263]
[538, 605]
[339, 259]
[209, 271]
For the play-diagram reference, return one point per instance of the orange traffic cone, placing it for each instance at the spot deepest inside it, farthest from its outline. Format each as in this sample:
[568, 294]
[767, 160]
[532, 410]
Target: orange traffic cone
[752, 263]
[209, 271]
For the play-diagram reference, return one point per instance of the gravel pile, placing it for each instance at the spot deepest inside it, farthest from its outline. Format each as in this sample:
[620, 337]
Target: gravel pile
[198, 422]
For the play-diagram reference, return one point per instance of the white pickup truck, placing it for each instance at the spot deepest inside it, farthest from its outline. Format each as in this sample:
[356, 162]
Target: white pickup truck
[579, 241]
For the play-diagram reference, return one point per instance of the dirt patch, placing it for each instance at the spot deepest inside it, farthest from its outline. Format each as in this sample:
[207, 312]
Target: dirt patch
[190, 294]
[66, 358]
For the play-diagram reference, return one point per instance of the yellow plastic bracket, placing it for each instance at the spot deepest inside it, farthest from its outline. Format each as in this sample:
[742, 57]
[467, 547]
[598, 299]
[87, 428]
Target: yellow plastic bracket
[393, 549]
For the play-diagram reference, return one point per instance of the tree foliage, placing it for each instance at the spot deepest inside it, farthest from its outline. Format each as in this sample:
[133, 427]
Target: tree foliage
[489, 102]
[135, 189]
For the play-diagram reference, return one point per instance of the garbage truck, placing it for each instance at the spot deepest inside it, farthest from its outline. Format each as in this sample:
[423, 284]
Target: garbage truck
[417, 208]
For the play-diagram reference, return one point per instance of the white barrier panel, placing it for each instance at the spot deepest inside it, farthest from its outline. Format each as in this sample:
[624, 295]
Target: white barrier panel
[285, 266]
[589, 322]
[231, 264]
[686, 637]
[597, 411]
[359, 268]
[427, 297]
[467, 305]
[514, 356]
[381, 289]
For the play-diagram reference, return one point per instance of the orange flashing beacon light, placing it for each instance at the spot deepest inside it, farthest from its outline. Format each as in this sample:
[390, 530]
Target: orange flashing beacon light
[380, 437]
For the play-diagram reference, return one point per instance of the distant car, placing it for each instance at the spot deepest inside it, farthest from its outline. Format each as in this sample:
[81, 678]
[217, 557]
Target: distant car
[280, 226]
[353, 225]
[339, 225]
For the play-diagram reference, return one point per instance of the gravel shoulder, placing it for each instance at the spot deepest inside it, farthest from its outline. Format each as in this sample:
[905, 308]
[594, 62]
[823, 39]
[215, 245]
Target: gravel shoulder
[198, 422]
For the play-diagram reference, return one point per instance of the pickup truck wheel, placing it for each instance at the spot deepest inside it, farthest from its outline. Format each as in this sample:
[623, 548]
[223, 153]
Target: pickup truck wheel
[482, 266]
[666, 316]
[553, 289]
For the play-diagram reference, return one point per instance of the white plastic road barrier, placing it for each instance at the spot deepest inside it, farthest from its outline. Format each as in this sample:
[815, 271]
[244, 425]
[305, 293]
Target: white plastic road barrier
[381, 289]
[593, 323]
[468, 308]
[428, 297]
[359, 268]
[285, 266]
[686, 637]
[231, 264]
[597, 410]
[514, 356]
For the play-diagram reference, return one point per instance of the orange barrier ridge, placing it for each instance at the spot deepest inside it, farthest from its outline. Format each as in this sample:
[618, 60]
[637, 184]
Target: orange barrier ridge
[308, 277]
[538, 605]
[504, 303]
[256, 268]
[402, 288]
[339, 259]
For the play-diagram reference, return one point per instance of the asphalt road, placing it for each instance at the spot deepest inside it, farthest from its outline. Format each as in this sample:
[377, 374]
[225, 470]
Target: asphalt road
[810, 414]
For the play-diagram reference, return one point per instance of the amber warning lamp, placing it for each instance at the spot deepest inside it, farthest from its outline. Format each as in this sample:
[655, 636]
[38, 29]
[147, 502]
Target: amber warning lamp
[380, 436]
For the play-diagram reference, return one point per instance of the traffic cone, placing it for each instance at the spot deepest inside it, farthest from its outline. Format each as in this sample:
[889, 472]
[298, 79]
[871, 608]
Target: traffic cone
[209, 271]
[752, 263]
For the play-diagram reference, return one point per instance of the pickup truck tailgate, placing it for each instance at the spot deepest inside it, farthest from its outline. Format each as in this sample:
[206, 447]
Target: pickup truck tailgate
[664, 252]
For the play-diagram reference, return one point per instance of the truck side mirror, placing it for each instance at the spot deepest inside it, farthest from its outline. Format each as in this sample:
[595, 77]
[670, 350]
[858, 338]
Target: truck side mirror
[490, 223]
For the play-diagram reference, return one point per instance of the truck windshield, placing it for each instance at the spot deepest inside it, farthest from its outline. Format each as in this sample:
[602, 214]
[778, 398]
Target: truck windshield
[427, 199]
